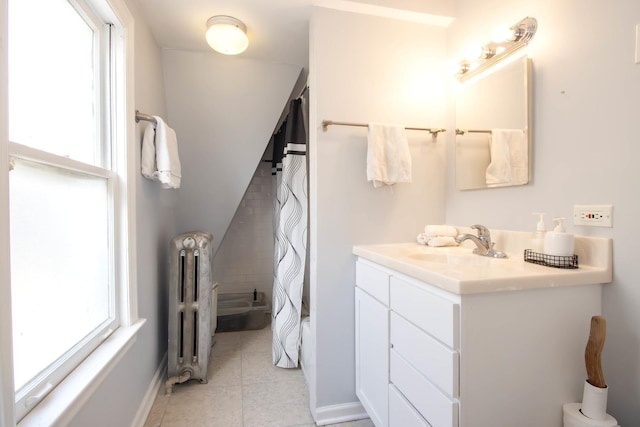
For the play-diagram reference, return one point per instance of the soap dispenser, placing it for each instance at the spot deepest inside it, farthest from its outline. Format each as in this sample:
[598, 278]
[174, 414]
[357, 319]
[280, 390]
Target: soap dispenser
[537, 242]
[558, 242]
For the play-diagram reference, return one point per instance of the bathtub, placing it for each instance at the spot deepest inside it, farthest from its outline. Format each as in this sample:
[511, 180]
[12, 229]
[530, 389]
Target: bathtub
[241, 311]
[306, 347]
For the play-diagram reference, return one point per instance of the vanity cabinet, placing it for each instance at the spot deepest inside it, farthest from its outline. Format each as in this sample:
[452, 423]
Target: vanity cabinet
[504, 358]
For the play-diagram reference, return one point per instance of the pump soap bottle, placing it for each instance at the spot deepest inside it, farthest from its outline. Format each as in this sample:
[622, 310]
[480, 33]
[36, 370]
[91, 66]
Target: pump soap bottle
[559, 242]
[537, 242]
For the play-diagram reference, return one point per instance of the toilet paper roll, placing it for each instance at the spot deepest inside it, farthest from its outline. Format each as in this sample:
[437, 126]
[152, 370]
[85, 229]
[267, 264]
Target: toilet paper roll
[594, 401]
[573, 417]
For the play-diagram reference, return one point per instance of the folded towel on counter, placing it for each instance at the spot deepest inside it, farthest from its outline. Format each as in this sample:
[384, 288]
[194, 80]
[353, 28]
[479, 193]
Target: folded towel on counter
[436, 241]
[388, 156]
[159, 158]
[440, 230]
[509, 157]
[441, 241]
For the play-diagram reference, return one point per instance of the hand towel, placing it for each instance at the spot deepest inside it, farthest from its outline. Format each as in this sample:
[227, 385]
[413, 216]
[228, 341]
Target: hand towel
[388, 156]
[167, 160]
[438, 241]
[148, 156]
[509, 157]
[440, 230]
[421, 238]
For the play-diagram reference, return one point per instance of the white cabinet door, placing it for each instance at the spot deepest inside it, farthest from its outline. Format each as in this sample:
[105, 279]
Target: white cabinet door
[372, 357]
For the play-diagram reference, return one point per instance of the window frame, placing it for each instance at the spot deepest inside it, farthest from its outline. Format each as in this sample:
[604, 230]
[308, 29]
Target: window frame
[63, 401]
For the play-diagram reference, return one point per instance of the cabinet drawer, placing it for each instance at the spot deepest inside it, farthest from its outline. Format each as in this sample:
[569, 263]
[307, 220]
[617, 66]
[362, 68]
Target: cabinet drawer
[435, 315]
[433, 405]
[428, 356]
[401, 413]
[373, 281]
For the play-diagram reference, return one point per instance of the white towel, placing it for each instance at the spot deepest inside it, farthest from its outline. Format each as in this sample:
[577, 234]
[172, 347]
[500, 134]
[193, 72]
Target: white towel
[160, 159]
[509, 157]
[148, 157]
[436, 241]
[440, 230]
[167, 159]
[388, 156]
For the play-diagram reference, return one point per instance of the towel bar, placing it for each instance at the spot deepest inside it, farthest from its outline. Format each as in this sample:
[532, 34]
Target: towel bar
[327, 123]
[145, 117]
[463, 131]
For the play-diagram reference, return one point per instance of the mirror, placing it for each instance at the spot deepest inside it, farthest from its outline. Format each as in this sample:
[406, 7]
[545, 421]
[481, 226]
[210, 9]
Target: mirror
[492, 128]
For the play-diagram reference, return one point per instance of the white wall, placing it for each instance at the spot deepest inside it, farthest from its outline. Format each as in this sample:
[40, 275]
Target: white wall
[365, 69]
[224, 110]
[585, 151]
[121, 396]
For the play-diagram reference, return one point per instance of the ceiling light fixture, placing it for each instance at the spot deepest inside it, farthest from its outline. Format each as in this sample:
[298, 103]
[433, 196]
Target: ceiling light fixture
[227, 35]
[505, 42]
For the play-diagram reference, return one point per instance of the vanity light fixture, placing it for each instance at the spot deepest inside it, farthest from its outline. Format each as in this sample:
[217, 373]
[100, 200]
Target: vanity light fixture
[227, 35]
[505, 42]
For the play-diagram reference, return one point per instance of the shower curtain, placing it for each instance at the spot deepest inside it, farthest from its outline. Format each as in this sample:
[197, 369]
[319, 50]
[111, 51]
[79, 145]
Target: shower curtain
[290, 234]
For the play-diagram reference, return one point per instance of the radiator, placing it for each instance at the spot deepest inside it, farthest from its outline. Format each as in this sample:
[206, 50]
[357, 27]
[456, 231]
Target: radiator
[190, 308]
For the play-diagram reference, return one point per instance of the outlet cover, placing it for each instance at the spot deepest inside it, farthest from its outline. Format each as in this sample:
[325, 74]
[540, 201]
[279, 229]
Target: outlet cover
[638, 44]
[593, 215]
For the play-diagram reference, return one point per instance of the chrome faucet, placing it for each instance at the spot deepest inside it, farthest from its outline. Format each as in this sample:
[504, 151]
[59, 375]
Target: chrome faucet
[482, 241]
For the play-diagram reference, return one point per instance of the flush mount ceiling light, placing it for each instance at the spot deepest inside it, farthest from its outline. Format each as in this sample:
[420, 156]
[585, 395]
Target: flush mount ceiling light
[505, 41]
[227, 35]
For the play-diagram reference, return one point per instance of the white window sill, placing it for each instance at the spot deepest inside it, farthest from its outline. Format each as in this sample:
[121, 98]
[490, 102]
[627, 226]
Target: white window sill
[60, 406]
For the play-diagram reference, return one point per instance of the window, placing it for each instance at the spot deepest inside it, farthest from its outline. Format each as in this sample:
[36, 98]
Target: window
[65, 189]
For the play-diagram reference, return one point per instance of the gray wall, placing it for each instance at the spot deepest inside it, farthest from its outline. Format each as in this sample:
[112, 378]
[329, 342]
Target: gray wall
[365, 69]
[585, 150]
[119, 398]
[224, 109]
[244, 260]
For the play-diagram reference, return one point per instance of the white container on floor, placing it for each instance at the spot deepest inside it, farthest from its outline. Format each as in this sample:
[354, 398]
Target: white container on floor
[573, 417]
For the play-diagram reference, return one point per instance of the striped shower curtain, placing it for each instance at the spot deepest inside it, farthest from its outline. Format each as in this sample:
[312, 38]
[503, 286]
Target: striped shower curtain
[290, 234]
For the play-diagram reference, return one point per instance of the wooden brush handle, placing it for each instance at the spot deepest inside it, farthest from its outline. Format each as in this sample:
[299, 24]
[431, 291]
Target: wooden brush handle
[593, 352]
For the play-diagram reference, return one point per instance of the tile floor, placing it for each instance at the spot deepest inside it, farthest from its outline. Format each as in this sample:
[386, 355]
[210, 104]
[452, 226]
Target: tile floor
[244, 390]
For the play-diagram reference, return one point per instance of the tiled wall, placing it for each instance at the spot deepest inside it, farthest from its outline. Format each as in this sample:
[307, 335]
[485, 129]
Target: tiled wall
[244, 261]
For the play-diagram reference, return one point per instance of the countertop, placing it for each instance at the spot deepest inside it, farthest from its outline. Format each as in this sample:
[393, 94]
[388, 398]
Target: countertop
[457, 270]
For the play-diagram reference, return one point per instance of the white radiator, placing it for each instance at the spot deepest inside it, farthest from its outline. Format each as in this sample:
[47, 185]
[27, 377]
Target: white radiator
[190, 308]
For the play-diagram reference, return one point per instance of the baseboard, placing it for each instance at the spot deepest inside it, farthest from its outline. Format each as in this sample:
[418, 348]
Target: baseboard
[150, 396]
[335, 414]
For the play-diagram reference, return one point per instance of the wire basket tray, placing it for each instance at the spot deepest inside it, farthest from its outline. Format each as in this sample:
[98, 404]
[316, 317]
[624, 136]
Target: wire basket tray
[551, 260]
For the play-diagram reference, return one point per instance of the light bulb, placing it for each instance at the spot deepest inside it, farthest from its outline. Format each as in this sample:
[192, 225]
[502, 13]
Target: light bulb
[503, 34]
[473, 52]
